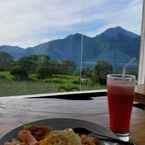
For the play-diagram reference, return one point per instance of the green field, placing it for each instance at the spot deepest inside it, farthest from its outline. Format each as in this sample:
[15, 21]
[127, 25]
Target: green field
[56, 83]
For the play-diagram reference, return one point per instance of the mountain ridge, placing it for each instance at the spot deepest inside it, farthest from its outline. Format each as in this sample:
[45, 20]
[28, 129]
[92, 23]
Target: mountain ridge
[114, 41]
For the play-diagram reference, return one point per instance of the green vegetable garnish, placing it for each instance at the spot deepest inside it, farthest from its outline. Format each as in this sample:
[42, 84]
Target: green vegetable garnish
[18, 141]
[27, 126]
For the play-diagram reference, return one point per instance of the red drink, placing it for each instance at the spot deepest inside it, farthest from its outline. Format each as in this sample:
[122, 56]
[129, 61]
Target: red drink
[120, 98]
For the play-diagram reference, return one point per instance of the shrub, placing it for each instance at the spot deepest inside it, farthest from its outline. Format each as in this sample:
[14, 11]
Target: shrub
[55, 80]
[43, 72]
[68, 87]
[101, 70]
[19, 73]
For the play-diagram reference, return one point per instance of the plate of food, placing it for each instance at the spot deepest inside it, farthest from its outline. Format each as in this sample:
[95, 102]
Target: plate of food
[57, 131]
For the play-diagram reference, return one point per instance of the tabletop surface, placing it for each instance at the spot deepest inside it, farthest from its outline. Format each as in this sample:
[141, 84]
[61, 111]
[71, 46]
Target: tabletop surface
[16, 111]
[140, 93]
[140, 89]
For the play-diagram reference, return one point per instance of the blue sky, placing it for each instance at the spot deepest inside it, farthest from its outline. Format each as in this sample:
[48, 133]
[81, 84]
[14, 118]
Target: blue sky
[30, 22]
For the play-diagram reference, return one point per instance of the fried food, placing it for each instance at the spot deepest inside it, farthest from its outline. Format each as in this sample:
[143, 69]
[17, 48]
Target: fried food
[65, 137]
[37, 135]
[86, 140]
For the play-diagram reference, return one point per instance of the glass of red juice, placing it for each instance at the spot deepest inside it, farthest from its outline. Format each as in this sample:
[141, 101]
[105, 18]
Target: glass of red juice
[120, 91]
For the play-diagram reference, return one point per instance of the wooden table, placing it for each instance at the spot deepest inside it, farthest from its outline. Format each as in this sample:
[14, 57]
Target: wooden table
[15, 111]
[140, 94]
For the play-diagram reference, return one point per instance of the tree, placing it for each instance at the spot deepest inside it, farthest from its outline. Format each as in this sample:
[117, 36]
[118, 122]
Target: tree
[68, 66]
[87, 72]
[19, 73]
[55, 67]
[30, 63]
[6, 61]
[42, 72]
[50, 67]
[45, 70]
[101, 70]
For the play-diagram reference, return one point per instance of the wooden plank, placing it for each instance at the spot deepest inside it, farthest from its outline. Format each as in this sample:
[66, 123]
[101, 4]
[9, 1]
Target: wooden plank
[140, 94]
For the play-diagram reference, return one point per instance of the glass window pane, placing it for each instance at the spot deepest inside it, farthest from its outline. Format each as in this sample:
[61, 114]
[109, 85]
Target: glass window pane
[40, 48]
[112, 40]
[49, 46]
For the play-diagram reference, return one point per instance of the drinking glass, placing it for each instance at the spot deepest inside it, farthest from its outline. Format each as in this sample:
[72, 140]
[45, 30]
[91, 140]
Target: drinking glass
[120, 99]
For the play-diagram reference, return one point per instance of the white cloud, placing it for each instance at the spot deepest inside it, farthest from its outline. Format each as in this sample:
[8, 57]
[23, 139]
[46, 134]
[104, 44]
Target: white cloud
[21, 18]
[129, 17]
[30, 22]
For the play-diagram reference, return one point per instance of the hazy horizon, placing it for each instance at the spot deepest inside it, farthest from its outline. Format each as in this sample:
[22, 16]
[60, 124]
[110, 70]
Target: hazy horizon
[65, 37]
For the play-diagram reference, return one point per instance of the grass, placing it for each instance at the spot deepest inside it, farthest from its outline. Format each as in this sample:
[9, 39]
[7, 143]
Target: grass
[92, 87]
[6, 75]
[56, 83]
[14, 88]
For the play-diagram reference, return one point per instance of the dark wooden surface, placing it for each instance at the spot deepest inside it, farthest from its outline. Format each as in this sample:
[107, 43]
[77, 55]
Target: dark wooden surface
[15, 111]
[140, 93]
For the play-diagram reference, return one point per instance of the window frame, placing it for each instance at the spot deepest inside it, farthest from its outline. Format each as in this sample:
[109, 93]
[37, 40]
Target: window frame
[141, 69]
[75, 95]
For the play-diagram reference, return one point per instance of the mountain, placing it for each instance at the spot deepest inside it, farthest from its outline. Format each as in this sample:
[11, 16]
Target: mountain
[118, 31]
[5, 60]
[14, 51]
[119, 39]
[115, 45]
[68, 48]
[118, 46]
